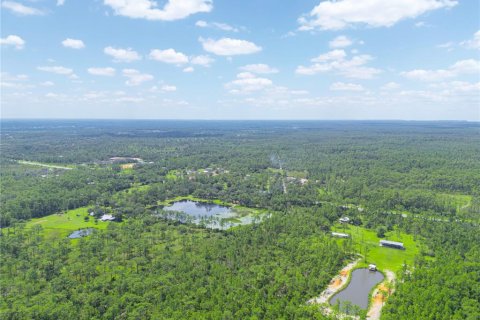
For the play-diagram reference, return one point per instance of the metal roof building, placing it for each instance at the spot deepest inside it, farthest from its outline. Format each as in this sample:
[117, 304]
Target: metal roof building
[340, 235]
[392, 244]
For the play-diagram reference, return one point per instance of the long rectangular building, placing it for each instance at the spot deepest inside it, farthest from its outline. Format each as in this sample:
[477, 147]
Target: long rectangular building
[392, 244]
[340, 235]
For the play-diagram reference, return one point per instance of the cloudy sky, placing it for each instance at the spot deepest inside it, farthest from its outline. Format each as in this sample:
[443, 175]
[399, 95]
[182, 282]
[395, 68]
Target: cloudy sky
[241, 59]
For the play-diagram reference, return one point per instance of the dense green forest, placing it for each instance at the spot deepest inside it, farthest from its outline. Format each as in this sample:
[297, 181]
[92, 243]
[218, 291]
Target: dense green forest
[414, 178]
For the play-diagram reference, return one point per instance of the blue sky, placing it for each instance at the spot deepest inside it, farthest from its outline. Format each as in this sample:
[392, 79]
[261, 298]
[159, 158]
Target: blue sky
[241, 59]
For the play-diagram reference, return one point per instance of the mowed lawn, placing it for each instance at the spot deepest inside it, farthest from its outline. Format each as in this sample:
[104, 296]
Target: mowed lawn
[61, 225]
[385, 258]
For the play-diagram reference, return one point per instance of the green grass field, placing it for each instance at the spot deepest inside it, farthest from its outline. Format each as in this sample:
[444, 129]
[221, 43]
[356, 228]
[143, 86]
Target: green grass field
[458, 200]
[61, 225]
[385, 258]
[173, 175]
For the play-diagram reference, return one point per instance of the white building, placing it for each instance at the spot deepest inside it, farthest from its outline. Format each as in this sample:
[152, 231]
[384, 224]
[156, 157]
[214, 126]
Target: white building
[107, 217]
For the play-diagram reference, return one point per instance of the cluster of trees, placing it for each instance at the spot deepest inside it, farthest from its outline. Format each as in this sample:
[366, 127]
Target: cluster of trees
[150, 268]
[446, 287]
[31, 192]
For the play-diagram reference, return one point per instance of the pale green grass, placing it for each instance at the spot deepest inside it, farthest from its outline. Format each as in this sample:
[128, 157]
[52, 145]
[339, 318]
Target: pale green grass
[366, 241]
[172, 175]
[297, 174]
[46, 165]
[458, 200]
[61, 225]
[133, 188]
[274, 170]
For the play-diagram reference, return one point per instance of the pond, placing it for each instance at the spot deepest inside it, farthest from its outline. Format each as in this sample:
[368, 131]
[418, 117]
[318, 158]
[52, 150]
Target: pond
[80, 233]
[210, 215]
[200, 209]
[361, 283]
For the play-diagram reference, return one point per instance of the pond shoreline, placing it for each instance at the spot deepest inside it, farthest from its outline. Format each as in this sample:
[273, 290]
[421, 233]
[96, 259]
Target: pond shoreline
[337, 284]
[341, 281]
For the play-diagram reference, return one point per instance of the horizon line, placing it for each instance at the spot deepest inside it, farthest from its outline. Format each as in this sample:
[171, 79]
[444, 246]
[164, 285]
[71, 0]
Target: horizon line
[230, 119]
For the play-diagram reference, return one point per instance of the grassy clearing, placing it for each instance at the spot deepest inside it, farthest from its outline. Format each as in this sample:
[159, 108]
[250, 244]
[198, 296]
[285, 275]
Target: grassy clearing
[61, 225]
[134, 188]
[297, 174]
[458, 200]
[46, 165]
[275, 170]
[366, 243]
[173, 175]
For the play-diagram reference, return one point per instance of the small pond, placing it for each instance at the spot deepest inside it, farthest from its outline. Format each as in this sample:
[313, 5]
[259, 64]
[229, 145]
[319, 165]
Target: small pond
[210, 215]
[80, 233]
[358, 289]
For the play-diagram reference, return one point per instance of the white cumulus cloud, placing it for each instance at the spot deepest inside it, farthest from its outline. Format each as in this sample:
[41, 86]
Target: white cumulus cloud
[247, 82]
[13, 40]
[135, 77]
[73, 43]
[57, 69]
[122, 55]
[168, 56]
[336, 61]
[390, 86]
[47, 84]
[342, 86]
[473, 43]
[341, 14]
[108, 72]
[21, 9]
[146, 9]
[469, 66]
[259, 68]
[202, 60]
[340, 42]
[168, 88]
[229, 46]
[216, 25]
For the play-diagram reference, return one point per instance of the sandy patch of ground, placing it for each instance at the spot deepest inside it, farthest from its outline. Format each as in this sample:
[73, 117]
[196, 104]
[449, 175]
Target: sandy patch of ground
[380, 295]
[337, 282]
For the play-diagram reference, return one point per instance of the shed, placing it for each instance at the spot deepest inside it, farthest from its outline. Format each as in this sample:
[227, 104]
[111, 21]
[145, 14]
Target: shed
[107, 217]
[344, 219]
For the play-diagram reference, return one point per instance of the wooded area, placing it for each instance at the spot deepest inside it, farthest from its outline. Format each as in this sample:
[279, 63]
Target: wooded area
[421, 179]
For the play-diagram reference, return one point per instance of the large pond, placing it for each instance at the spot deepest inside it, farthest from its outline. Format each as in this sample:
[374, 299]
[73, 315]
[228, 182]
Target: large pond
[80, 233]
[359, 288]
[199, 209]
[208, 214]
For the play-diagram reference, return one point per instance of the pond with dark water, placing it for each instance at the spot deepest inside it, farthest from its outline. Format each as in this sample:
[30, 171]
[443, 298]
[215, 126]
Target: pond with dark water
[80, 233]
[361, 283]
